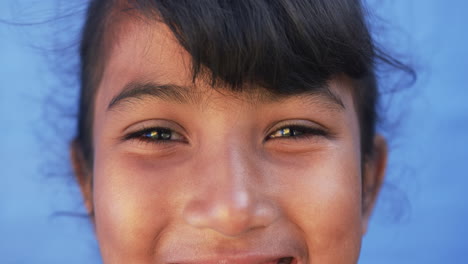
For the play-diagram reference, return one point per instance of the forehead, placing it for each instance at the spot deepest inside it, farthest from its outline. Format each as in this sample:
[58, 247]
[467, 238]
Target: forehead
[142, 51]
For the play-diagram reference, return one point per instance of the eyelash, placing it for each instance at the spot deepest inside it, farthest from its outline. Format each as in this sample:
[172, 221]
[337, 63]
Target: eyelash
[296, 132]
[165, 135]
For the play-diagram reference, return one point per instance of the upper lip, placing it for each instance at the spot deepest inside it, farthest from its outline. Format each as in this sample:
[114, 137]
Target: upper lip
[263, 248]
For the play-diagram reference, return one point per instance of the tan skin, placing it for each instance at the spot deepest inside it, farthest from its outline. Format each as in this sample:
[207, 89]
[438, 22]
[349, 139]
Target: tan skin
[219, 176]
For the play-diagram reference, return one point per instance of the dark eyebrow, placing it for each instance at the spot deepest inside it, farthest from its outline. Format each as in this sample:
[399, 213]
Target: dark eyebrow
[185, 94]
[327, 97]
[169, 92]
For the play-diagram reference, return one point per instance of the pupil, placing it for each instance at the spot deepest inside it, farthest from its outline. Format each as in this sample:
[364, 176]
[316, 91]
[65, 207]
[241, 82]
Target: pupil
[286, 132]
[153, 134]
[297, 132]
[166, 135]
[159, 134]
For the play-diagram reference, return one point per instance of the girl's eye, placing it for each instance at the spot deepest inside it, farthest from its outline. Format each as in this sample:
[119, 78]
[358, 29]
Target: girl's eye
[156, 135]
[296, 132]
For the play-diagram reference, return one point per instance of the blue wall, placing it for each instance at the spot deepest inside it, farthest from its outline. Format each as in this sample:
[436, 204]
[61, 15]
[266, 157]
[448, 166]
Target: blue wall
[420, 218]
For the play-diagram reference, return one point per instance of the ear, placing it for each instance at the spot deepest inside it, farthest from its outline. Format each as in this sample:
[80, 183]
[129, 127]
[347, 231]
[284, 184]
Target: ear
[83, 175]
[373, 178]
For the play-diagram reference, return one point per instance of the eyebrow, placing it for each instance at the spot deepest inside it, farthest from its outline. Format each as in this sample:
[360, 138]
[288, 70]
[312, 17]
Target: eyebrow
[167, 92]
[185, 94]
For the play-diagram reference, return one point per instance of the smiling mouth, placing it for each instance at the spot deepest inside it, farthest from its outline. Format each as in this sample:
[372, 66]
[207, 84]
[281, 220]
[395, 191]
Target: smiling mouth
[287, 260]
[284, 260]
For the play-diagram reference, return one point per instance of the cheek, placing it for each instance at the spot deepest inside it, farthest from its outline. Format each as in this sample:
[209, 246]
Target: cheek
[131, 204]
[322, 196]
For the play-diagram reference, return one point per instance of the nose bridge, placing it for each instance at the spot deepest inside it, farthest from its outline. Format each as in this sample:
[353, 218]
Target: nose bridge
[233, 168]
[234, 183]
[229, 201]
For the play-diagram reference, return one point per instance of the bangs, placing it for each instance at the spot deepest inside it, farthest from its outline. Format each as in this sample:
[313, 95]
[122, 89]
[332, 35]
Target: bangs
[287, 47]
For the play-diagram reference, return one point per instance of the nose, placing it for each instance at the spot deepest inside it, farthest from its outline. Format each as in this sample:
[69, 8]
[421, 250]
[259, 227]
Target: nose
[229, 200]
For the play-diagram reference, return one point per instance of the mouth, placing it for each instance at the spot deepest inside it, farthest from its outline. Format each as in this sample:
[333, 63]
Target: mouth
[282, 260]
[286, 260]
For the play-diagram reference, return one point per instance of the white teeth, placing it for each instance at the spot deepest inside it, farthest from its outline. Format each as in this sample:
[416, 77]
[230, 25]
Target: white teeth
[287, 260]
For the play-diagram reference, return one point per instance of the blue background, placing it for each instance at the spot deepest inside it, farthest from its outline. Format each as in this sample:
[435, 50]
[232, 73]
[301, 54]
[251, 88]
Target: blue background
[421, 217]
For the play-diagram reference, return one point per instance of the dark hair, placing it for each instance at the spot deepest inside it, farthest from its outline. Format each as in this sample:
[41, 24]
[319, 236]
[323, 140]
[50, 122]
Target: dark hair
[287, 47]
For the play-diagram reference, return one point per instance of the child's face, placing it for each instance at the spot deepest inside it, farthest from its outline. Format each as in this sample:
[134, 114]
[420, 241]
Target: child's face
[222, 177]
